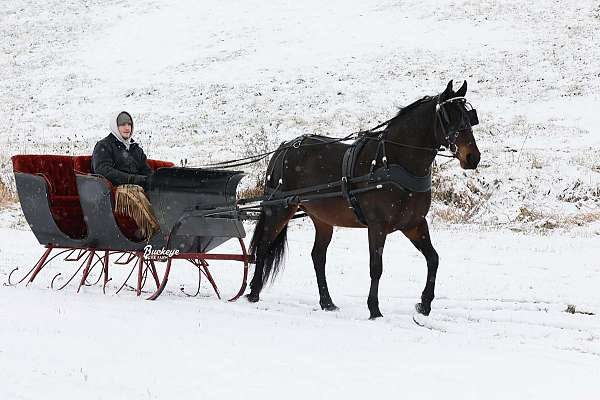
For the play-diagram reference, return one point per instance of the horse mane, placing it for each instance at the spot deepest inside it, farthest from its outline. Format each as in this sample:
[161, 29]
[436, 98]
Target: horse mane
[413, 105]
[406, 109]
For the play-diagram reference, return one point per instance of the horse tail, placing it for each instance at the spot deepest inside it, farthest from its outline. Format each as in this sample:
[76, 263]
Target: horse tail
[268, 254]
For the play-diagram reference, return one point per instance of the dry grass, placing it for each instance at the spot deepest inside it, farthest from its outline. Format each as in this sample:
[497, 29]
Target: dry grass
[546, 220]
[258, 142]
[255, 190]
[537, 218]
[581, 218]
[458, 201]
[7, 194]
[572, 309]
[587, 159]
[536, 162]
[580, 192]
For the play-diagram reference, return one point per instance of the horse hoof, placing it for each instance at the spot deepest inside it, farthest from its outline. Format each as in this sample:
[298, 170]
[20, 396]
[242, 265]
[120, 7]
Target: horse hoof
[375, 316]
[252, 298]
[329, 307]
[423, 309]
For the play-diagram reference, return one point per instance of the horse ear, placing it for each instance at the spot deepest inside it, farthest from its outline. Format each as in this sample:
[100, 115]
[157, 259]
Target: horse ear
[462, 91]
[447, 93]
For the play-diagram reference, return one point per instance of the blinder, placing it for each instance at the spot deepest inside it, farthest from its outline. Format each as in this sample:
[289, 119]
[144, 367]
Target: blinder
[473, 119]
[469, 119]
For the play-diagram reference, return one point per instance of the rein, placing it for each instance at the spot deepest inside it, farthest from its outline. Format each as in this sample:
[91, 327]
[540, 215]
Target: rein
[408, 146]
[297, 143]
[369, 134]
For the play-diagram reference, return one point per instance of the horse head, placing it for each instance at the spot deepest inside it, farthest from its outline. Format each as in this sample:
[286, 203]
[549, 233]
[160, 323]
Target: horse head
[455, 119]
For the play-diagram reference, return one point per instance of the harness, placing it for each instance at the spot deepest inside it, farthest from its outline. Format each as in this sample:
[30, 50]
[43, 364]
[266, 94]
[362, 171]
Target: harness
[393, 174]
[381, 172]
[348, 164]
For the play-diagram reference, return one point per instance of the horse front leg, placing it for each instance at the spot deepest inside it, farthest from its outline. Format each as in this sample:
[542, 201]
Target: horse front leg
[376, 243]
[419, 236]
[323, 234]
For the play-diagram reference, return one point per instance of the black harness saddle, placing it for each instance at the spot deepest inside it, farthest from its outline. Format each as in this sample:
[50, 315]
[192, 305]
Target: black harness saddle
[386, 174]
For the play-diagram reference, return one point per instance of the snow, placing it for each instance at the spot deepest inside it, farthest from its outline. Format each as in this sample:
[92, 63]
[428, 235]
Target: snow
[211, 80]
[499, 327]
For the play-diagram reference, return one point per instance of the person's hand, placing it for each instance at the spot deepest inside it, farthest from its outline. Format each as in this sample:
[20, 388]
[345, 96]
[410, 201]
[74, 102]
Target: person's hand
[140, 180]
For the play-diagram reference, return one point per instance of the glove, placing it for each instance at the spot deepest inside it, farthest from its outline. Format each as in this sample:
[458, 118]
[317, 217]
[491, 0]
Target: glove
[139, 180]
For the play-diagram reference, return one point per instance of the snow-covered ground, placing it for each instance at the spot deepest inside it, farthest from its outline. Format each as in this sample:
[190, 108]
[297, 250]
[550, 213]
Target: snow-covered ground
[499, 329]
[518, 238]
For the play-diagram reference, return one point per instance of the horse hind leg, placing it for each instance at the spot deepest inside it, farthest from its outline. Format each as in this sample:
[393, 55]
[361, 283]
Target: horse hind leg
[323, 234]
[419, 236]
[268, 245]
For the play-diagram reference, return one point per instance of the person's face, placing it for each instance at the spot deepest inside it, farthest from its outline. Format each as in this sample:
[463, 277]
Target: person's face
[125, 130]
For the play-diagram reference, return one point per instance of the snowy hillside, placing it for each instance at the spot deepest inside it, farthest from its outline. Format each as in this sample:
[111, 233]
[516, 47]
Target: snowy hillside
[210, 80]
[202, 77]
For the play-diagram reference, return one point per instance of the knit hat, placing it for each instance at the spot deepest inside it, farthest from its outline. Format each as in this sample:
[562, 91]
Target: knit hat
[119, 118]
[124, 118]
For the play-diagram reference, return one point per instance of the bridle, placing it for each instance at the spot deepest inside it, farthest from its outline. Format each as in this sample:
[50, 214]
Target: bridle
[449, 134]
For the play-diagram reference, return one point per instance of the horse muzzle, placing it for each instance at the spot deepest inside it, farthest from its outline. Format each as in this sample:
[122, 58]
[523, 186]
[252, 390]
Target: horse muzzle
[471, 160]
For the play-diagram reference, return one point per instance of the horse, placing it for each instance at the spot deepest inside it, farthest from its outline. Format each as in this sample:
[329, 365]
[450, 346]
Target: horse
[411, 140]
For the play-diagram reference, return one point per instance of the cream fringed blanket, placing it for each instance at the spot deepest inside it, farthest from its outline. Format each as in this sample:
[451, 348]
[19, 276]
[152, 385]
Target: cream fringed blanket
[130, 200]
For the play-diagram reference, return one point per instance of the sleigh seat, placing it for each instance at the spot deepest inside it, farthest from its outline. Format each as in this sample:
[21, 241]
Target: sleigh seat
[126, 225]
[47, 190]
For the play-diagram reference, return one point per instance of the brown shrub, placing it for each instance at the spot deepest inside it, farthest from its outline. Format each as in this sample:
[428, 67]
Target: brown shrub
[460, 200]
[549, 220]
[255, 190]
[7, 194]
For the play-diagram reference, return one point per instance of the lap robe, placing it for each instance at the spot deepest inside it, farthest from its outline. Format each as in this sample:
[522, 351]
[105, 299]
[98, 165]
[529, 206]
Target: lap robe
[130, 200]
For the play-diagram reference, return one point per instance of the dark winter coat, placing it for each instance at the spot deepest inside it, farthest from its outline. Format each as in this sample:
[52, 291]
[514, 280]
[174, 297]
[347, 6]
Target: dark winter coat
[120, 166]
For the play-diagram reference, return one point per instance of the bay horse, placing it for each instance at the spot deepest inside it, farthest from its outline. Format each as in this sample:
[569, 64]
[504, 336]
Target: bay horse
[411, 140]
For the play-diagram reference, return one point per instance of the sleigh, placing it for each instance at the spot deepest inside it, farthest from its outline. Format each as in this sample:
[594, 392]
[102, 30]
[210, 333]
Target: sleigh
[70, 211]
